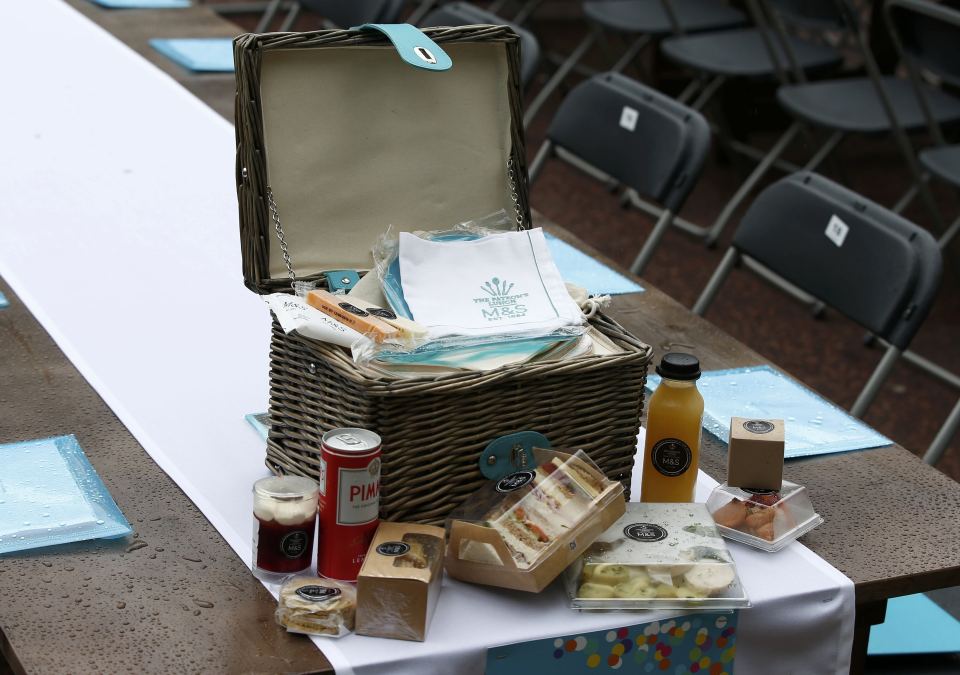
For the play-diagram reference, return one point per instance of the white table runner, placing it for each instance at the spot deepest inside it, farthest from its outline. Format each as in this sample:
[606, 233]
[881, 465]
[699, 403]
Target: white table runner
[118, 229]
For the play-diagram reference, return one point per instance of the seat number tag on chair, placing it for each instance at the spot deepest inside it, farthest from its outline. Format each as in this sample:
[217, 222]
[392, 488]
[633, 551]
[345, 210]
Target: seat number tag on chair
[628, 118]
[837, 230]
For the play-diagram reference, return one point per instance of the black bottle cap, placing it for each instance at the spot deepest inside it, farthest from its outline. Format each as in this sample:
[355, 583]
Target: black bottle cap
[679, 366]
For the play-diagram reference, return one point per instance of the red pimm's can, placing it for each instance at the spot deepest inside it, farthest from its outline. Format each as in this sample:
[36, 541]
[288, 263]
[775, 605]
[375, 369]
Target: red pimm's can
[349, 501]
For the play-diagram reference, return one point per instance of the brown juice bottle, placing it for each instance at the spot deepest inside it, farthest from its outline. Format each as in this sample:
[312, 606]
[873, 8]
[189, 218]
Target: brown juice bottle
[671, 452]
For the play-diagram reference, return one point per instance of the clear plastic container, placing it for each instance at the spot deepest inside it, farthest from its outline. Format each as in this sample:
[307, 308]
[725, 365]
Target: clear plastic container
[317, 606]
[284, 523]
[764, 519]
[522, 531]
[657, 556]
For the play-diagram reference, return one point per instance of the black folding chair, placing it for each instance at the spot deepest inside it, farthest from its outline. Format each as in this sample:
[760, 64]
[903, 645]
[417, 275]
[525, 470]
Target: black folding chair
[643, 21]
[865, 261]
[637, 136]
[857, 105]
[927, 38]
[755, 53]
[527, 8]
[466, 14]
[335, 13]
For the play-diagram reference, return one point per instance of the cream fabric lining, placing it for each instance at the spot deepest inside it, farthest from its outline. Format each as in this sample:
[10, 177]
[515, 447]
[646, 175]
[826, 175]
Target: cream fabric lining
[357, 140]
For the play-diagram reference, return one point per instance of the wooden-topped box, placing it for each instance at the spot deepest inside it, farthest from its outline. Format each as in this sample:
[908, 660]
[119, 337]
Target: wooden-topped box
[339, 137]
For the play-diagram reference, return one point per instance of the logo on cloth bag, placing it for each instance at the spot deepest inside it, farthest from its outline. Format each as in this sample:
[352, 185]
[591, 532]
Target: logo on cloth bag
[500, 302]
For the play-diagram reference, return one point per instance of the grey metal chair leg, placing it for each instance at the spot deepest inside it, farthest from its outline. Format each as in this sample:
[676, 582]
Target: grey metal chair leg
[695, 85]
[650, 245]
[877, 378]
[931, 368]
[291, 19]
[748, 185]
[417, 15]
[719, 275]
[778, 281]
[905, 200]
[832, 142]
[268, 14]
[948, 236]
[559, 76]
[545, 151]
[944, 436]
[631, 53]
[526, 11]
[708, 92]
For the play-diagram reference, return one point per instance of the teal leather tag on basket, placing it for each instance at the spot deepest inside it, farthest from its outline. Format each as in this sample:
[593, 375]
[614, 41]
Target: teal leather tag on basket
[413, 46]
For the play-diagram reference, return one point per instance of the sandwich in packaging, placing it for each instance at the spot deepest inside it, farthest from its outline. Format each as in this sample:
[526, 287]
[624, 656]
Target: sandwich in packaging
[523, 530]
[399, 583]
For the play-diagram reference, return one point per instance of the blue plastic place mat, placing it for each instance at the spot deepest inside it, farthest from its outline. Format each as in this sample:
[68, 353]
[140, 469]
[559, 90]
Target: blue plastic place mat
[50, 494]
[260, 423]
[915, 624]
[4, 303]
[201, 55]
[579, 268]
[142, 4]
[814, 426]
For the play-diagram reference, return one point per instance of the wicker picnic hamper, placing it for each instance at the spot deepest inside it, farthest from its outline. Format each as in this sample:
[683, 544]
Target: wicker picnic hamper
[337, 138]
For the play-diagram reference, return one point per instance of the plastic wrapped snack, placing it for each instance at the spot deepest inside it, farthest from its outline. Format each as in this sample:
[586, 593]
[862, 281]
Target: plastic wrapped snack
[521, 531]
[764, 519]
[317, 606]
[399, 583]
[657, 556]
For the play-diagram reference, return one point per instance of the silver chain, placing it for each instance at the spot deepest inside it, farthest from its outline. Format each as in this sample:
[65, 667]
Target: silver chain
[513, 193]
[275, 212]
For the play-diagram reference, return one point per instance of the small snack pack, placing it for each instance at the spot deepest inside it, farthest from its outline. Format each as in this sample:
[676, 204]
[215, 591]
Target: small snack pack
[399, 583]
[657, 556]
[755, 453]
[521, 531]
[317, 606]
[764, 519]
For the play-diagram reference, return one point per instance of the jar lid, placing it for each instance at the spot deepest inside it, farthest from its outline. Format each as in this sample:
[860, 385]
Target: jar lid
[286, 488]
[679, 366]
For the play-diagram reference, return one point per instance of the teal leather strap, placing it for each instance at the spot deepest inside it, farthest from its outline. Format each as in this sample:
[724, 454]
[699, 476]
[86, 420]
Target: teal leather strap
[413, 46]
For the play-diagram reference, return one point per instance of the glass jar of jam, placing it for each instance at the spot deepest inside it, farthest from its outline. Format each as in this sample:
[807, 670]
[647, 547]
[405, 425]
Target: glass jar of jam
[285, 520]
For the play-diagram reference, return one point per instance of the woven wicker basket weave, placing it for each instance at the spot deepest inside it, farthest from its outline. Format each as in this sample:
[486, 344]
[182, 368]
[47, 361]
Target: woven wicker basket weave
[434, 428]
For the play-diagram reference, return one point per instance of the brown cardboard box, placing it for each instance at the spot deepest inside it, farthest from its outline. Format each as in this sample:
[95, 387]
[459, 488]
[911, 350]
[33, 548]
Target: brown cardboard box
[755, 454]
[399, 583]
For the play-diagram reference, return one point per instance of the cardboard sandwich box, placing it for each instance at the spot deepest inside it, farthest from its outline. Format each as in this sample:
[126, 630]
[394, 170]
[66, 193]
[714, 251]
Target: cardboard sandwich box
[399, 583]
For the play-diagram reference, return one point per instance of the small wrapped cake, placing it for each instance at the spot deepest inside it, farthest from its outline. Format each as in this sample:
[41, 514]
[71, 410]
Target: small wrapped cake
[765, 519]
[317, 606]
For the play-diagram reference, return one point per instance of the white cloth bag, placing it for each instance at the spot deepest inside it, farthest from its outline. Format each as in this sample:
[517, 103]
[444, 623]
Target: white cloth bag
[500, 284]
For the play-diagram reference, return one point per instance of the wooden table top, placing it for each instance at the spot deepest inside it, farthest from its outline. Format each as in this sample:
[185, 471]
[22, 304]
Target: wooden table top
[186, 601]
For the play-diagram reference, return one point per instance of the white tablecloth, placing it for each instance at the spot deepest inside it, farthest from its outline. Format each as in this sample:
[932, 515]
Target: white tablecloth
[118, 229]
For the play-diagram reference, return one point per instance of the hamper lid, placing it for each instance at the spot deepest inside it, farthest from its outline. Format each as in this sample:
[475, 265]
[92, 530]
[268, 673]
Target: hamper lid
[351, 139]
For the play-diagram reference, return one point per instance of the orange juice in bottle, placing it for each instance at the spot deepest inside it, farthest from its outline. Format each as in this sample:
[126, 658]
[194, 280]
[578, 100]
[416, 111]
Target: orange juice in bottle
[671, 452]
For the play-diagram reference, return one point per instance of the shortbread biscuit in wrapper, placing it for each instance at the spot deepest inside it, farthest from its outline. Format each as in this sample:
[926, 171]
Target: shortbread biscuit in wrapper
[317, 606]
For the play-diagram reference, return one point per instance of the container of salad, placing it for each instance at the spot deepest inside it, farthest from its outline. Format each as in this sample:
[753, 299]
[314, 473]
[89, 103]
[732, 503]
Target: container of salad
[657, 556]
